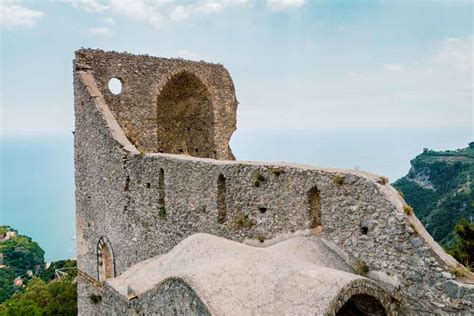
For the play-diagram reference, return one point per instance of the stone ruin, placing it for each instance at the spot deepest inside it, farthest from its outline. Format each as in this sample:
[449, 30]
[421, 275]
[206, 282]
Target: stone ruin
[168, 222]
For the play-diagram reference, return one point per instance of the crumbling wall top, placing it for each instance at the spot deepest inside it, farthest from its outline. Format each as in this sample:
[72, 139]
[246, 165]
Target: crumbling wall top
[167, 105]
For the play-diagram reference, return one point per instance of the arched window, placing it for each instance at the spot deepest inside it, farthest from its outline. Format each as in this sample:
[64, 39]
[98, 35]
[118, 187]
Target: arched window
[314, 202]
[105, 260]
[221, 199]
[185, 117]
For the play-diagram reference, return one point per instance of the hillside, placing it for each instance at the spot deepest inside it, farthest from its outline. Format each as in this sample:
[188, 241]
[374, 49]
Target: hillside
[28, 285]
[438, 187]
[19, 257]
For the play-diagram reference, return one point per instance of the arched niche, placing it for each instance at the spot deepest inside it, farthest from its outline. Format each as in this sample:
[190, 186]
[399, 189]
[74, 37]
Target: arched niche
[185, 117]
[314, 207]
[105, 260]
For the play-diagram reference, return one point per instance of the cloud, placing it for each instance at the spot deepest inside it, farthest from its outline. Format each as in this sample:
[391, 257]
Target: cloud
[15, 15]
[101, 30]
[279, 5]
[394, 67]
[456, 53]
[138, 10]
[183, 12]
[91, 6]
[109, 21]
[154, 12]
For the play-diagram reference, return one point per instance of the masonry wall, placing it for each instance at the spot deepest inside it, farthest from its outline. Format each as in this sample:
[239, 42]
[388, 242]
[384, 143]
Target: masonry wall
[172, 297]
[149, 84]
[119, 195]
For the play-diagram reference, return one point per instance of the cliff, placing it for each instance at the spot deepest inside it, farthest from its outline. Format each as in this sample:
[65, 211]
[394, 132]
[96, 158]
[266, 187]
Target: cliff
[439, 188]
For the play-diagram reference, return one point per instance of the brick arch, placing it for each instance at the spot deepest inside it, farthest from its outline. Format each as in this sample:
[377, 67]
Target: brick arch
[185, 116]
[105, 260]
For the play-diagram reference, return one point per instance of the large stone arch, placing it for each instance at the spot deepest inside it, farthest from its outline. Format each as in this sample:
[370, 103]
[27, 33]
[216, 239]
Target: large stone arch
[362, 297]
[185, 116]
[105, 260]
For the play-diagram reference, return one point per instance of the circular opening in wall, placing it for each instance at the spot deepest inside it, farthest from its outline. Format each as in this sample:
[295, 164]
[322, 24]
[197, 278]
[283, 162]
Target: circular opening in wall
[115, 86]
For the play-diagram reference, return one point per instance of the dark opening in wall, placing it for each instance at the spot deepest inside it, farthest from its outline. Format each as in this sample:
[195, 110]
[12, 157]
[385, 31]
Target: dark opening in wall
[314, 202]
[262, 209]
[127, 184]
[161, 189]
[185, 117]
[364, 230]
[362, 304]
[221, 199]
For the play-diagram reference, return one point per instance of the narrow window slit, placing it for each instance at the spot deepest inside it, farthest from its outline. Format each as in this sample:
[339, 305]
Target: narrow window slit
[314, 201]
[161, 189]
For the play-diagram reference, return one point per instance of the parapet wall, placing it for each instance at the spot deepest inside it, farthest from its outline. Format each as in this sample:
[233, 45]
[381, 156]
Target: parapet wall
[146, 203]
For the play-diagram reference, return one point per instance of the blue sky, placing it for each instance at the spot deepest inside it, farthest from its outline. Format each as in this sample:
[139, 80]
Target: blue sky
[297, 65]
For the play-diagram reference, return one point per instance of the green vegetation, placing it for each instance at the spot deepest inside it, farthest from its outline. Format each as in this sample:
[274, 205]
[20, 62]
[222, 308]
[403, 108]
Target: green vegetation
[162, 213]
[242, 221]
[20, 255]
[407, 209]
[40, 291]
[259, 179]
[463, 247]
[382, 180]
[95, 298]
[438, 187]
[338, 179]
[361, 267]
[40, 298]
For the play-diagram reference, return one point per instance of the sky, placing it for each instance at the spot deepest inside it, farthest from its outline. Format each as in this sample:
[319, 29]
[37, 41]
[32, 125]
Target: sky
[296, 64]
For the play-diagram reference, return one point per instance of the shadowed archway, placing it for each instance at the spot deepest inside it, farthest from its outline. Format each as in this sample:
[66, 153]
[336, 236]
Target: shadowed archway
[185, 117]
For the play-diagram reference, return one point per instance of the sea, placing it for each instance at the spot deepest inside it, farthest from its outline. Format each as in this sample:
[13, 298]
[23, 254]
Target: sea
[37, 173]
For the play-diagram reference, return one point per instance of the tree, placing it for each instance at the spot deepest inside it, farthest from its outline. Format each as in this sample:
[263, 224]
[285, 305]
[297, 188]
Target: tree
[57, 297]
[463, 250]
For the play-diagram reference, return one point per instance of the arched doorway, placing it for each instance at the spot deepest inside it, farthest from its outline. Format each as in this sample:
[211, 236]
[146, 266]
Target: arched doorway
[185, 117]
[105, 260]
[361, 305]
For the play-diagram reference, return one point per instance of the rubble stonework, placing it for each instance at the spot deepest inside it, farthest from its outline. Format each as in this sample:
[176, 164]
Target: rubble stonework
[149, 176]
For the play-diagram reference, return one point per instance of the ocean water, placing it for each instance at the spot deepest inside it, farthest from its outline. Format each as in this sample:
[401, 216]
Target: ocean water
[37, 192]
[37, 184]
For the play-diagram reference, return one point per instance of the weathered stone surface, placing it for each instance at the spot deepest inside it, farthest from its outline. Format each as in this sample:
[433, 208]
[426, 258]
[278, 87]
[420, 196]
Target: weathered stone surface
[453, 289]
[297, 276]
[144, 202]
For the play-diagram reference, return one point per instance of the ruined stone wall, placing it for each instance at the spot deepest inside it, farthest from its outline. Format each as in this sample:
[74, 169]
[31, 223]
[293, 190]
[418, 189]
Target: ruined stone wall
[158, 90]
[120, 195]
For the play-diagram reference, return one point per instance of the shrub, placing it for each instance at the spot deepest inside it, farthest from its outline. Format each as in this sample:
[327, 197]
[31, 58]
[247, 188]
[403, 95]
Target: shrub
[338, 179]
[407, 209]
[382, 180]
[460, 271]
[361, 267]
[162, 212]
[95, 298]
[259, 179]
[242, 221]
